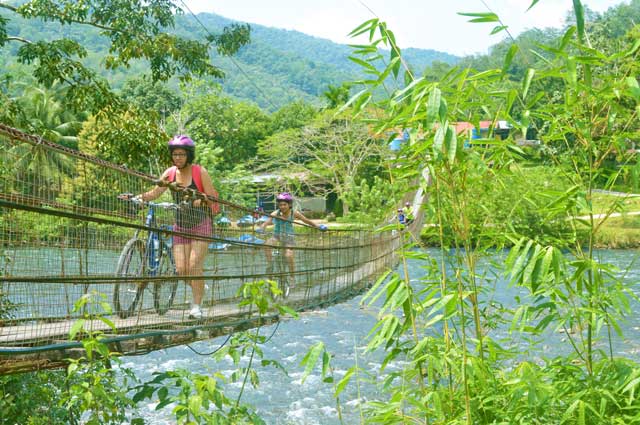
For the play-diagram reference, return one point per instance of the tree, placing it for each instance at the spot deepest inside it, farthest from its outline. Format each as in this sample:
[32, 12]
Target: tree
[215, 120]
[336, 95]
[45, 115]
[135, 30]
[293, 115]
[152, 96]
[131, 138]
[331, 149]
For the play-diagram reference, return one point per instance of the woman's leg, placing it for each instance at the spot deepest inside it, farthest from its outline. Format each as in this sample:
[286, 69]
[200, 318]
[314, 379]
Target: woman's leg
[268, 253]
[199, 251]
[181, 254]
[292, 266]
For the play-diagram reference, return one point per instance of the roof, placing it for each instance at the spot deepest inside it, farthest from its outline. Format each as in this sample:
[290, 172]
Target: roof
[463, 126]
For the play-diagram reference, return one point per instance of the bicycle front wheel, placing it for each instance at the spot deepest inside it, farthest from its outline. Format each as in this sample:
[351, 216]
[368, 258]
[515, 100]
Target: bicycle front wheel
[131, 264]
[164, 291]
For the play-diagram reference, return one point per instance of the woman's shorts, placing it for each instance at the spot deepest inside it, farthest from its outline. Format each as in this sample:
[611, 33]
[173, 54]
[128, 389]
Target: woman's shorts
[286, 240]
[202, 229]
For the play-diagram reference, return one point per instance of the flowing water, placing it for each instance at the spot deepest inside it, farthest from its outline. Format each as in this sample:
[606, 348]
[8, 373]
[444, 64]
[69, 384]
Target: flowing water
[286, 399]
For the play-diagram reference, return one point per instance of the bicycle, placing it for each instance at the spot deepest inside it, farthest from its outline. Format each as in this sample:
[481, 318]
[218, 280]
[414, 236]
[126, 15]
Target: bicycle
[281, 272]
[145, 257]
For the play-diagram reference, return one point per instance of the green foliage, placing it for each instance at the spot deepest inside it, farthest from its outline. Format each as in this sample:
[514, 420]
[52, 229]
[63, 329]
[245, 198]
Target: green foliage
[200, 399]
[446, 328]
[32, 398]
[133, 31]
[126, 137]
[293, 115]
[197, 399]
[336, 96]
[298, 67]
[371, 203]
[43, 114]
[333, 149]
[508, 203]
[95, 393]
[218, 121]
[147, 95]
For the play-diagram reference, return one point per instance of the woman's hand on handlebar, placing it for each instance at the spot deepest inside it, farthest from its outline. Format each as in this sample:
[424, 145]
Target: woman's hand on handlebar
[130, 197]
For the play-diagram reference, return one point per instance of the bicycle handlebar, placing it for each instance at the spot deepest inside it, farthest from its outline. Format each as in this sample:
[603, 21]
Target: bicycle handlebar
[136, 200]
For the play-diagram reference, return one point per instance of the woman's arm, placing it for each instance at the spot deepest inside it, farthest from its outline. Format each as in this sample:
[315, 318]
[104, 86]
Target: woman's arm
[267, 222]
[209, 190]
[154, 193]
[207, 184]
[299, 216]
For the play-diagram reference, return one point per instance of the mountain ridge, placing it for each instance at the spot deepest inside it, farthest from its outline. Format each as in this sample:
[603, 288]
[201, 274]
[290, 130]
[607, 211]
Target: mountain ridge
[285, 65]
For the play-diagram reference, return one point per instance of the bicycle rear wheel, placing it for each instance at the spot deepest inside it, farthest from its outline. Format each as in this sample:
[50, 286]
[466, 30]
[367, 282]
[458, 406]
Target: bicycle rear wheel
[132, 263]
[164, 291]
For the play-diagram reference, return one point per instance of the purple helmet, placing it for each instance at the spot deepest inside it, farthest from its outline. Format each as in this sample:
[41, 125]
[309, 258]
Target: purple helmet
[285, 197]
[183, 142]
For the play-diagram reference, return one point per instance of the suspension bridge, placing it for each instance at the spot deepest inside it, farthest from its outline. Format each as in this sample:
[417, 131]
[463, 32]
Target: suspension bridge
[70, 250]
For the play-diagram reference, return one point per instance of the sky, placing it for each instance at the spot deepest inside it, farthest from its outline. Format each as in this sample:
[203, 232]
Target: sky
[427, 24]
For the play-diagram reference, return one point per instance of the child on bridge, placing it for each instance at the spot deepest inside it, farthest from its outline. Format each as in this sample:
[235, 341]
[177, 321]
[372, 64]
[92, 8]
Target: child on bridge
[283, 233]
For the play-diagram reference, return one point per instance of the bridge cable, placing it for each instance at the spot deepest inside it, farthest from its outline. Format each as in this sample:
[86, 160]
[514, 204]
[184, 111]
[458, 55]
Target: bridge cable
[214, 351]
[227, 340]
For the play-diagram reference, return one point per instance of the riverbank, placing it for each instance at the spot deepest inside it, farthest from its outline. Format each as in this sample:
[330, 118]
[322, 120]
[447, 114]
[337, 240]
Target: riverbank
[619, 231]
[622, 232]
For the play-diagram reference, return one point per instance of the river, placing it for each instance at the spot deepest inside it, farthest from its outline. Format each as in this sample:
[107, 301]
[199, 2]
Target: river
[283, 399]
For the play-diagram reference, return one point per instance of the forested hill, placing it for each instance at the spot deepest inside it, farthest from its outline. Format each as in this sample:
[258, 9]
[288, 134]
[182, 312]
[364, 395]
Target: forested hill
[285, 65]
[290, 64]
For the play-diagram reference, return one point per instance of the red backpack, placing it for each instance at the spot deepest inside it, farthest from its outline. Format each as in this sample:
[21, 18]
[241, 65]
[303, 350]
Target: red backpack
[196, 175]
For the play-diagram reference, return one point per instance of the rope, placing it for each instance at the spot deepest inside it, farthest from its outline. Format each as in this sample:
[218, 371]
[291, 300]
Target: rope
[214, 351]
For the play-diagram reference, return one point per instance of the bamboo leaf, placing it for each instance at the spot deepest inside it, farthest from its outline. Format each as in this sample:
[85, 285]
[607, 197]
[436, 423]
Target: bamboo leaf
[498, 29]
[438, 139]
[364, 64]
[509, 58]
[364, 27]
[354, 98]
[481, 17]
[566, 38]
[533, 3]
[578, 10]
[311, 358]
[340, 386]
[451, 143]
[527, 82]
[77, 327]
[433, 107]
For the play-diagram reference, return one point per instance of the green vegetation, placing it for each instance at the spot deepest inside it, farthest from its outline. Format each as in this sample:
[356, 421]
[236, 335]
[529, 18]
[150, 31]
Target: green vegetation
[467, 359]
[463, 358]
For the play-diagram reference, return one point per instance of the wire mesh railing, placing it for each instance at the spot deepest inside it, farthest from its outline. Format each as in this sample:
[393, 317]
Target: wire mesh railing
[65, 232]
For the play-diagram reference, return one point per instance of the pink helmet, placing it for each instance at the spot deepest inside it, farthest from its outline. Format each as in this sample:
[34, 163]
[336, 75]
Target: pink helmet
[181, 141]
[285, 197]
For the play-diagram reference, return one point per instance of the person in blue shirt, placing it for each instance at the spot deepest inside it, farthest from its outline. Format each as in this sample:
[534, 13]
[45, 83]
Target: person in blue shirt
[401, 217]
[283, 233]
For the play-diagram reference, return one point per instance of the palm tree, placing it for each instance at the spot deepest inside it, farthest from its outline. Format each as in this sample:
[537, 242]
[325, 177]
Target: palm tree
[46, 117]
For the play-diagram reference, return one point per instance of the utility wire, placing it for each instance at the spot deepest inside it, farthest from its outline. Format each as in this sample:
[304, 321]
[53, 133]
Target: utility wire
[232, 59]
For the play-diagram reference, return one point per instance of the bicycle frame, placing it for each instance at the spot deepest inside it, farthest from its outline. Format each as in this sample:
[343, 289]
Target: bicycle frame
[155, 241]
